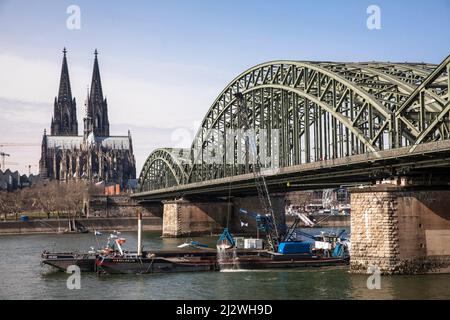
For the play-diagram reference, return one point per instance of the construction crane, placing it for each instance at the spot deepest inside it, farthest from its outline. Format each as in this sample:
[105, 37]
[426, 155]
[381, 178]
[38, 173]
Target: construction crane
[3, 155]
[13, 144]
[271, 230]
[29, 168]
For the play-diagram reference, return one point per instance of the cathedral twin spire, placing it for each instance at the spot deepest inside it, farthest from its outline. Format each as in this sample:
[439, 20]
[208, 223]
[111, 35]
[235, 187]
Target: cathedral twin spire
[64, 121]
[96, 120]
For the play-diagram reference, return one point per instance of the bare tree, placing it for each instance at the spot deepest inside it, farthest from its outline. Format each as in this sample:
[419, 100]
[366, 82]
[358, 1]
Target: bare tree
[48, 197]
[3, 204]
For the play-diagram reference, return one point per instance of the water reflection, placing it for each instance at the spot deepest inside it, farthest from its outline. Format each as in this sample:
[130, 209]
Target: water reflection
[22, 277]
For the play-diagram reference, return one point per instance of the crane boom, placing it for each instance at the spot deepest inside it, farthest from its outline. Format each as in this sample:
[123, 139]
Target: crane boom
[243, 112]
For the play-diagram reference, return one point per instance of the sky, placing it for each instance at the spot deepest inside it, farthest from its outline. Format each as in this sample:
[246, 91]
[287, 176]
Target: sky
[163, 63]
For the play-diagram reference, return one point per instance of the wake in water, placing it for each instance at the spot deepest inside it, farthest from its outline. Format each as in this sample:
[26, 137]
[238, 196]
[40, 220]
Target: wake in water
[227, 258]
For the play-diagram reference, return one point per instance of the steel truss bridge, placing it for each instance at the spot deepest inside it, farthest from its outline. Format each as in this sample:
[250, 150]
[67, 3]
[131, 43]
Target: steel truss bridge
[334, 123]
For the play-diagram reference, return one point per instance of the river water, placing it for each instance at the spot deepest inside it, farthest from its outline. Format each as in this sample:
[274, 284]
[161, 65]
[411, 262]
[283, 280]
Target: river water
[22, 277]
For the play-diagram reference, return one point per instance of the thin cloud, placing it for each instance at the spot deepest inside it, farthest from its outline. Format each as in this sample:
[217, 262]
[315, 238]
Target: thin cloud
[159, 114]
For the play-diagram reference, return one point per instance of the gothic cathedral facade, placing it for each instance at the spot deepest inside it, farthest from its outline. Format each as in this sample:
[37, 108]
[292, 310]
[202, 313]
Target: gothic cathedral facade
[95, 156]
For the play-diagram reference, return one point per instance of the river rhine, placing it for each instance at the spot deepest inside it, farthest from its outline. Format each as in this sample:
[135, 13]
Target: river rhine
[22, 277]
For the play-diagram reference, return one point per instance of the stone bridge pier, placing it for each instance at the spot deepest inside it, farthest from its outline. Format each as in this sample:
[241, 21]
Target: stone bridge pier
[401, 230]
[195, 217]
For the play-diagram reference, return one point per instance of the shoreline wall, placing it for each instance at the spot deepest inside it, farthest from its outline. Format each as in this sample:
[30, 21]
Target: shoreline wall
[102, 213]
[101, 224]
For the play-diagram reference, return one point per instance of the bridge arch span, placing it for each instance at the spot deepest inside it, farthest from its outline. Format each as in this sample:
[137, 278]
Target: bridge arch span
[322, 110]
[317, 111]
[164, 168]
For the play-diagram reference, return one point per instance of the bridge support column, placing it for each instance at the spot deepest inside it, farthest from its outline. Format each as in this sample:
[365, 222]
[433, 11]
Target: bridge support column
[193, 218]
[184, 217]
[400, 230]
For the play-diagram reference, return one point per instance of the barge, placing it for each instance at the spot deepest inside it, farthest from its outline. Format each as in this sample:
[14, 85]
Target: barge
[155, 264]
[326, 250]
[289, 254]
[62, 260]
[87, 262]
[113, 259]
[272, 260]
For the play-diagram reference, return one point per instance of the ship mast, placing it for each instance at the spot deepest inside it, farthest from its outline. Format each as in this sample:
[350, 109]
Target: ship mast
[139, 241]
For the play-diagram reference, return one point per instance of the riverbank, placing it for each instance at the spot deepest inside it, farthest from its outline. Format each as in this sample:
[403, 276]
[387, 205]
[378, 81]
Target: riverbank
[91, 224]
[151, 223]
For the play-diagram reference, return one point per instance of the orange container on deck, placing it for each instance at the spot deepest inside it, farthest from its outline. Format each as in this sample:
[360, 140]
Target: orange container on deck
[112, 190]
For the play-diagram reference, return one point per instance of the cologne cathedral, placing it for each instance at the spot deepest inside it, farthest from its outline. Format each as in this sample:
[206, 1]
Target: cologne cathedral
[94, 156]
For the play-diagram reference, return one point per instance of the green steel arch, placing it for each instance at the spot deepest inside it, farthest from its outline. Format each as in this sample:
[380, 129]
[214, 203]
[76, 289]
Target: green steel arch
[318, 111]
[164, 168]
